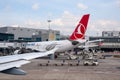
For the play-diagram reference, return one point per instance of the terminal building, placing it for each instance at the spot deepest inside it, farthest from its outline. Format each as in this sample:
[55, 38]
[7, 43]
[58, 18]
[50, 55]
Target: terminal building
[28, 34]
[111, 40]
[6, 36]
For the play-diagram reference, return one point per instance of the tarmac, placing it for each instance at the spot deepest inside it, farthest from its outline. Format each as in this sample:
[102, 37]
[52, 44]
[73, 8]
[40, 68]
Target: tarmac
[42, 69]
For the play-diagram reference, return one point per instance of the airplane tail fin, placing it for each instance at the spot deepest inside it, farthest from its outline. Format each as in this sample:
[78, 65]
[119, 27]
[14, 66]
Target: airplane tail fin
[79, 32]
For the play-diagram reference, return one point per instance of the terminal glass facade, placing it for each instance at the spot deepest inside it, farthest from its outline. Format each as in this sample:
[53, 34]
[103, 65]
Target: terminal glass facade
[6, 37]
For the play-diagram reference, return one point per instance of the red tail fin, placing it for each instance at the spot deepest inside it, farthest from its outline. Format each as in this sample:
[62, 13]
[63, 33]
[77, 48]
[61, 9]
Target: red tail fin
[80, 30]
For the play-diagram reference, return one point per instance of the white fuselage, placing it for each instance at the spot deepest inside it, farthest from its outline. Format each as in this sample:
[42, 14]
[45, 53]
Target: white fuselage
[63, 45]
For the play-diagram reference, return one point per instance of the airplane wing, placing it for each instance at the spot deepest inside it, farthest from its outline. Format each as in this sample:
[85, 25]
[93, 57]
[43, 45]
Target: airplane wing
[10, 64]
[92, 41]
[89, 46]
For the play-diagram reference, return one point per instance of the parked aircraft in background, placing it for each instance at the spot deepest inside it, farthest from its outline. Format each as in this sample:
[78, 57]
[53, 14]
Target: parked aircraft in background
[10, 64]
[92, 44]
[76, 39]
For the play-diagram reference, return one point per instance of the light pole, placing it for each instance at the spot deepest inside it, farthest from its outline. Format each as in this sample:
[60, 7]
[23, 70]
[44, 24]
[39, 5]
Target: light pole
[49, 23]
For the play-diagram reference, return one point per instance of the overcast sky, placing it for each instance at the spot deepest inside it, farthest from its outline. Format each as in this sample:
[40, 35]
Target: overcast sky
[64, 14]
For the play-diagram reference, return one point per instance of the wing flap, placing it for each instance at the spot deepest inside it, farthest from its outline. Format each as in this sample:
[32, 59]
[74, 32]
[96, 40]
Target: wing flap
[14, 71]
[8, 65]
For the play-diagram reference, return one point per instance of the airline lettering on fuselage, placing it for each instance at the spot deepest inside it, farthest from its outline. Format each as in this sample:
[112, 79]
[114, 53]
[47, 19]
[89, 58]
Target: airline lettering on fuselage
[30, 44]
[51, 46]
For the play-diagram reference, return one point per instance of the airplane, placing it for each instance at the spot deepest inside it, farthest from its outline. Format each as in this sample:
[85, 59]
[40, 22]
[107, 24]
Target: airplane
[75, 39]
[92, 44]
[10, 64]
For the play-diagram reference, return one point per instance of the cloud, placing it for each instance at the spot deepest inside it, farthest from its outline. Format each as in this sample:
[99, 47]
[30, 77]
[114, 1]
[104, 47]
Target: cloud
[81, 6]
[33, 23]
[2, 25]
[35, 6]
[57, 22]
[67, 22]
[8, 7]
[15, 25]
[102, 25]
[118, 3]
[68, 15]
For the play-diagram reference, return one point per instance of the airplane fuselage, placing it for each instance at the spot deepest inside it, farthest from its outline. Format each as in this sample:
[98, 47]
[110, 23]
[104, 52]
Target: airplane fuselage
[63, 45]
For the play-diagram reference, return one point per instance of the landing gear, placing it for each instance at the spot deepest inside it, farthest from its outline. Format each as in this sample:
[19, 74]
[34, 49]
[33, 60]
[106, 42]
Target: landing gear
[56, 56]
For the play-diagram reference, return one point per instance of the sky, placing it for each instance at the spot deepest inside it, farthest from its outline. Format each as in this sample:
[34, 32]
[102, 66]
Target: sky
[64, 14]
